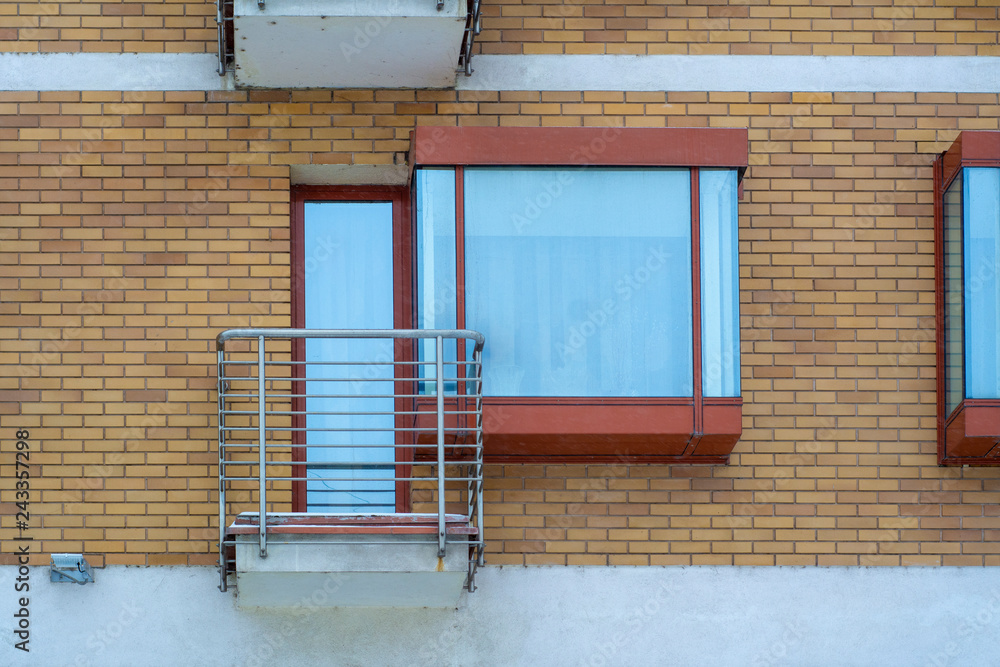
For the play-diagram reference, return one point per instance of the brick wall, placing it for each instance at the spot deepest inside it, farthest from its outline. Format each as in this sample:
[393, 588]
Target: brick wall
[966, 27]
[944, 27]
[136, 226]
[158, 26]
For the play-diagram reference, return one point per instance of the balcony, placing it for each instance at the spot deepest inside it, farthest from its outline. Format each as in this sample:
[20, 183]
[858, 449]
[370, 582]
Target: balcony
[345, 442]
[346, 43]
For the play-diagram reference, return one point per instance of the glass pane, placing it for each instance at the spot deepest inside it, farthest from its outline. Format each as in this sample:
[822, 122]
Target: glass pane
[348, 285]
[954, 387]
[720, 282]
[982, 286]
[436, 293]
[580, 280]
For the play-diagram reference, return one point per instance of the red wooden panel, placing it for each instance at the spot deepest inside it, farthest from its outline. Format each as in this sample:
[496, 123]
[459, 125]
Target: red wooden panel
[581, 146]
[974, 432]
[972, 148]
[612, 431]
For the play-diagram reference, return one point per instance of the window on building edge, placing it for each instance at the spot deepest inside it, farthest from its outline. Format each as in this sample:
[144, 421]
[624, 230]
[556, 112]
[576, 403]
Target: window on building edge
[602, 266]
[967, 216]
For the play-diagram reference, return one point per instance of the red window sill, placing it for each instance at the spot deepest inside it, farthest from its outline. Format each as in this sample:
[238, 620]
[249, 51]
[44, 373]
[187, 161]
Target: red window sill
[972, 434]
[612, 430]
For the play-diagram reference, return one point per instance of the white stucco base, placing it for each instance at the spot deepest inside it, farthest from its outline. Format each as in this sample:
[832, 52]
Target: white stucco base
[529, 616]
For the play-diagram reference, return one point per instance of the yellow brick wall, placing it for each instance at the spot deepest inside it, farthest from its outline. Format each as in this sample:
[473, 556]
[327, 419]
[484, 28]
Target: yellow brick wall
[136, 226]
[797, 27]
[157, 26]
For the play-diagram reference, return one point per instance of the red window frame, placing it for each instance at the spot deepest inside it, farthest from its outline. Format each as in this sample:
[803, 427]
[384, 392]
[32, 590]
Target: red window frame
[402, 260]
[971, 433]
[698, 429]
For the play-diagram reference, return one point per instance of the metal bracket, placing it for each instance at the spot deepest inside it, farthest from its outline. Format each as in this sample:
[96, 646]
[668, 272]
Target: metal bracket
[473, 26]
[70, 568]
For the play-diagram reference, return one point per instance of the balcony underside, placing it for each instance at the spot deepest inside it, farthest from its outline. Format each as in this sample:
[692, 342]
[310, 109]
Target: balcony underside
[350, 561]
[347, 44]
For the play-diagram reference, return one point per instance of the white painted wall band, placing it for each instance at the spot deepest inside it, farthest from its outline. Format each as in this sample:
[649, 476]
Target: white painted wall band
[166, 71]
[952, 74]
[566, 616]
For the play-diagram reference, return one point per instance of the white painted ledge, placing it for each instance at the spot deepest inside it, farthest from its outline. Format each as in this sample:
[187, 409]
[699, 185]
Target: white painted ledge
[737, 73]
[164, 71]
[110, 71]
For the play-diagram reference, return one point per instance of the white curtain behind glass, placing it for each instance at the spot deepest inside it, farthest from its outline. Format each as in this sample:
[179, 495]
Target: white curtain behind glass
[982, 282]
[437, 297]
[720, 314]
[580, 280]
[348, 285]
[954, 388]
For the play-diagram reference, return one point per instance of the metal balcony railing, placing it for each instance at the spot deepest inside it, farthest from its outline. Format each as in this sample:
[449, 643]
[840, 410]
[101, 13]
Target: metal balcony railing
[366, 425]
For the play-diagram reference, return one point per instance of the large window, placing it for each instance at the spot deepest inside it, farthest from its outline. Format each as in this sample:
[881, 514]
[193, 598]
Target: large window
[968, 213]
[602, 267]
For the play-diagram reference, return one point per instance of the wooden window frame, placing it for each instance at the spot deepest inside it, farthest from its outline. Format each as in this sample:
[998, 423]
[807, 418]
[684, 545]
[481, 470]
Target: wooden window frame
[698, 429]
[970, 435]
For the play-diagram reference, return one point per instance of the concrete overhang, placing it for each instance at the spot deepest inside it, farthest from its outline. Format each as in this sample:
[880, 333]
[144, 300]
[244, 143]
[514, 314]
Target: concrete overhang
[347, 43]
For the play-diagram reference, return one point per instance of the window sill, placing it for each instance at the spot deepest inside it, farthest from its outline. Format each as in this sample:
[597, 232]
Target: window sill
[610, 430]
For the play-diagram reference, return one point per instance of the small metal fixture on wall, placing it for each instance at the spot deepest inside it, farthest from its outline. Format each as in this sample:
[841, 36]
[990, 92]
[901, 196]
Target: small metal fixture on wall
[70, 568]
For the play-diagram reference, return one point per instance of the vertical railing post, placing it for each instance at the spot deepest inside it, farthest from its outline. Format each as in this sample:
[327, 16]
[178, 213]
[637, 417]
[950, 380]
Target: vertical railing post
[261, 445]
[221, 393]
[439, 369]
[220, 37]
[478, 356]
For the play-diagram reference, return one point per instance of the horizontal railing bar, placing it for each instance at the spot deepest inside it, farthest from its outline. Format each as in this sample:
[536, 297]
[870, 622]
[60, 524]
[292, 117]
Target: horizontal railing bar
[272, 380]
[466, 458]
[393, 362]
[382, 396]
[430, 480]
[388, 464]
[249, 382]
[433, 540]
[271, 397]
[233, 334]
[387, 481]
[450, 432]
[432, 462]
[353, 413]
[247, 470]
[470, 446]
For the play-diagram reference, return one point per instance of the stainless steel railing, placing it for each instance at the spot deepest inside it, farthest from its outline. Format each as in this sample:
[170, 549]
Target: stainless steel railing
[349, 422]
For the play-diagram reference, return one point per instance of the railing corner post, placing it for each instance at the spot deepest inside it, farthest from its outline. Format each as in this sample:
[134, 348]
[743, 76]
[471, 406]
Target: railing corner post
[439, 373]
[262, 446]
